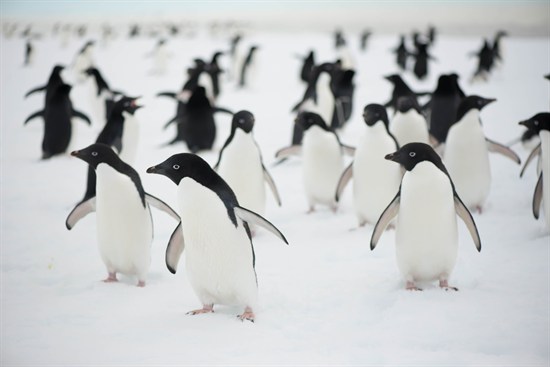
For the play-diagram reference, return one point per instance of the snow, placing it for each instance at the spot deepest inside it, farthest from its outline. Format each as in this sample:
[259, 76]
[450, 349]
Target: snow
[325, 299]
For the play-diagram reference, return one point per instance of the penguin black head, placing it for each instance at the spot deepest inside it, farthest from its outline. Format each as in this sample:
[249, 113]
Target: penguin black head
[409, 155]
[406, 103]
[470, 103]
[373, 113]
[127, 104]
[395, 79]
[182, 165]
[243, 120]
[541, 121]
[309, 119]
[445, 83]
[97, 153]
[327, 67]
[57, 69]
[91, 71]
[547, 76]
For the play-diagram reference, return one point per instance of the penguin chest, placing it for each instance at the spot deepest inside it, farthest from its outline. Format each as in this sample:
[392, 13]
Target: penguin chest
[545, 168]
[241, 167]
[325, 97]
[467, 160]
[124, 226]
[426, 233]
[409, 127]
[218, 254]
[130, 138]
[375, 179]
[322, 165]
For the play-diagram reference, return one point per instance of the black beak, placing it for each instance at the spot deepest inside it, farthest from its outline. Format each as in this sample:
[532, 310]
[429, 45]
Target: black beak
[75, 153]
[153, 169]
[392, 157]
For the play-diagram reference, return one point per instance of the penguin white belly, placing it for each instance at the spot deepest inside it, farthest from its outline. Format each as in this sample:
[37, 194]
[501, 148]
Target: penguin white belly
[325, 98]
[206, 81]
[467, 160]
[322, 166]
[241, 167]
[124, 226]
[426, 232]
[97, 103]
[130, 138]
[545, 166]
[409, 127]
[218, 256]
[375, 179]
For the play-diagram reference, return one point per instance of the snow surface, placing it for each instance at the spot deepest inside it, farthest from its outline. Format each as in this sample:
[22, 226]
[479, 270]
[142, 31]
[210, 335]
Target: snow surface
[325, 299]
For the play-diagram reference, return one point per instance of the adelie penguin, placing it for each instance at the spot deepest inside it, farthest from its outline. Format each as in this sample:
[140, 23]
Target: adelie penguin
[83, 61]
[426, 206]
[249, 68]
[307, 67]
[57, 114]
[322, 160]
[421, 56]
[214, 231]
[124, 224]
[240, 165]
[401, 54]
[466, 153]
[375, 180]
[54, 81]
[102, 98]
[400, 89]
[408, 124]
[541, 197]
[486, 62]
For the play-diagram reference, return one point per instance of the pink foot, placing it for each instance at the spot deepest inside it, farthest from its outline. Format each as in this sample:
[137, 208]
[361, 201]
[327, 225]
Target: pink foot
[111, 278]
[141, 283]
[445, 285]
[204, 309]
[479, 209]
[247, 315]
[412, 287]
[311, 210]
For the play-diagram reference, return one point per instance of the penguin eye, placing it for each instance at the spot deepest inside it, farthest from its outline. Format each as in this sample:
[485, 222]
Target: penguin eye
[94, 154]
[412, 154]
[536, 122]
[176, 166]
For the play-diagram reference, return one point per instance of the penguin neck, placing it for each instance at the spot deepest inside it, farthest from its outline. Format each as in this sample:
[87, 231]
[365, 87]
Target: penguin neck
[470, 118]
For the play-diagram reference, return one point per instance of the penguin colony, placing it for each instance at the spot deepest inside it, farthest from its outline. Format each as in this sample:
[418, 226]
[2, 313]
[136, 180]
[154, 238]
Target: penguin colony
[422, 160]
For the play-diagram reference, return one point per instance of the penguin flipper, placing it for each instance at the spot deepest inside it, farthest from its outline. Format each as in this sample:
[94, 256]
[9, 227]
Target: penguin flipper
[81, 116]
[37, 89]
[34, 115]
[495, 147]
[173, 119]
[81, 210]
[161, 205]
[167, 94]
[537, 197]
[174, 249]
[536, 151]
[288, 151]
[385, 218]
[467, 218]
[250, 217]
[343, 181]
[271, 183]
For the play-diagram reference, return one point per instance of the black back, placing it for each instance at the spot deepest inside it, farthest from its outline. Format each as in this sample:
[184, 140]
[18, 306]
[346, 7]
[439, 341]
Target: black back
[246, 64]
[307, 67]
[58, 112]
[198, 124]
[401, 54]
[444, 106]
[421, 56]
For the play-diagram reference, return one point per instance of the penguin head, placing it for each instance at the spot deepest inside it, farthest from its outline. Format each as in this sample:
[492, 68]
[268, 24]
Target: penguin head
[406, 103]
[471, 103]
[409, 155]
[243, 120]
[97, 153]
[64, 88]
[541, 121]
[309, 119]
[547, 76]
[57, 69]
[373, 113]
[395, 79]
[445, 83]
[91, 71]
[128, 104]
[182, 165]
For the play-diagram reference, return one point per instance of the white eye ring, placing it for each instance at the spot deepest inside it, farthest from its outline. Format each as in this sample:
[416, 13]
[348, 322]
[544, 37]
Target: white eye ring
[536, 122]
[412, 154]
[176, 166]
[94, 154]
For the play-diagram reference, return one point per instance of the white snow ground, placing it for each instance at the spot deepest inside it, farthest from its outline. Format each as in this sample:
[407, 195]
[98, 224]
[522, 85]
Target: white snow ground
[325, 299]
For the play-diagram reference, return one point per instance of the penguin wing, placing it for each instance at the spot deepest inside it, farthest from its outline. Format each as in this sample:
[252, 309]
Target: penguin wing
[174, 249]
[34, 115]
[495, 147]
[385, 218]
[467, 218]
[37, 89]
[173, 119]
[344, 180]
[536, 151]
[271, 183]
[167, 94]
[161, 205]
[82, 116]
[288, 151]
[250, 217]
[81, 210]
[537, 197]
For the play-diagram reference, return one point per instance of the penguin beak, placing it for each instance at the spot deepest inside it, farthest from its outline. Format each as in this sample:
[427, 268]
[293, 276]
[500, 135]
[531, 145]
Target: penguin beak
[524, 123]
[134, 103]
[392, 157]
[488, 101]
[153, 169]
[75, 153]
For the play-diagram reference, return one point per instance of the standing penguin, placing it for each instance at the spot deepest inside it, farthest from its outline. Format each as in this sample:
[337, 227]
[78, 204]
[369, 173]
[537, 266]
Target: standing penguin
[466, 153]
[83, 61]
[57, 114]
[342, 88]
[541, 123]
[401, 54]
[101, 96]
[375, 179]
[29, 53]
[426, 205]
[160, 55]
[249, 67]
[408, 124]
[365, 35]
[307, 67]
[54, 81]
[214, 70]
[498, 49]
[322, 156]
[124, 224]
[240, 165]
[421, 56]
[220, 260]
[486, 61]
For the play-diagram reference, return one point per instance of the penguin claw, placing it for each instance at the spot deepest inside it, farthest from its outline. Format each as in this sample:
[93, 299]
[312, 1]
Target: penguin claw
[412, 287]
[205, 309]
[247, 315]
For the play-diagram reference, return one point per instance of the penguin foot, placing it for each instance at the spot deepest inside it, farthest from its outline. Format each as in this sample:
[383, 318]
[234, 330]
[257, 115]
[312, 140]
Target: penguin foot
[141, 283]
[111, 278]
[247, 315]
[479, 209]
[204, 309]
[412, 287]
[444, 284]
[311, 210]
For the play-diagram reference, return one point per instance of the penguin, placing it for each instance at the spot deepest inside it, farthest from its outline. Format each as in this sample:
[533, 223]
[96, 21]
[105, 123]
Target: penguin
[342, 88]
[322, 156]
[83, 60]
[121, 132]
[57, 114]
[249, 67]
[54, 81]
[102, 98]
[466, 153]
[307, 67]
[401, 54]
[421, 56]
[365, 35]
[400, 88]
[240, 165]
[431, 34]
[426, 205]
[29, 53]
[124, 223]
[214, 230]
[443, 107]
[541, 123]
[204, 79]
[498, 48]
[236, 54]
[486, 60]
[375, 179]
[408, 124]
[214, 70]
[160, 55]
